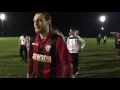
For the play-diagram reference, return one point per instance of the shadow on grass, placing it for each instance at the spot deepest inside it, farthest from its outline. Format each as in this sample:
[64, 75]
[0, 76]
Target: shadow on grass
[103, 69]
[100, 65]
[110, 74]
[102, 55]
[99, 49]
[102, 61]
[107, 74]
[9, 56]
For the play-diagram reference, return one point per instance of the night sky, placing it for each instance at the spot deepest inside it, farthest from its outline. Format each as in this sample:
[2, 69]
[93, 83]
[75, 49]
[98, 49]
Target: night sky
[88, 23]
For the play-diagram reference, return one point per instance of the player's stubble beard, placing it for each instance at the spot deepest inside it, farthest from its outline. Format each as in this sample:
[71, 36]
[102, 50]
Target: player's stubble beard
[43, 30]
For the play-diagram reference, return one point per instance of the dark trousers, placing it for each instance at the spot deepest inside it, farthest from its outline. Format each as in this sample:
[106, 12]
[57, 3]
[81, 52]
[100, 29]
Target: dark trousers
[23, 52]
[98, 42]
[75, 62]
[115, 44]
[104, 42]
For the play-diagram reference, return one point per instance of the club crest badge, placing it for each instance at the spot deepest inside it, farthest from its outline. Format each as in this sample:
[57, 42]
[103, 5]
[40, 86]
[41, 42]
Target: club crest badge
[47, 47]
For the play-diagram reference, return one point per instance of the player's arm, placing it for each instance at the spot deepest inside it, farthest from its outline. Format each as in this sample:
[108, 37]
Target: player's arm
[30, 68]
[19, 41]
[30, 63]
[67, 70]
[82, 43]
[65, 58]
[67, 42]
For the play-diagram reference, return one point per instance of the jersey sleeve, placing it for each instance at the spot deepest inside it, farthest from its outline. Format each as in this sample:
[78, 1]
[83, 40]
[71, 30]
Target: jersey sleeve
[30, 62]
[82, 42]
[62, 51]
[68, 42]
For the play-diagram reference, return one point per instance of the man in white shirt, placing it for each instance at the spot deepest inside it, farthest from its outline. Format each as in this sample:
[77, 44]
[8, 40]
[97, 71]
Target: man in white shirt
[82, 41]
[28, 43]
[23, 42]
[74, 45]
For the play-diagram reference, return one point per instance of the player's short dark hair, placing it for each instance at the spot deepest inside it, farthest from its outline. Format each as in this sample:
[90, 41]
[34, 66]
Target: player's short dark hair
[24, 34]
[76, 30]
[46, 14]
[55, 28]
[73, 29]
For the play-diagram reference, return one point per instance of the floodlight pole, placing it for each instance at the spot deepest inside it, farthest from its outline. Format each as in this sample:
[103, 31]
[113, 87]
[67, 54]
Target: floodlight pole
[2, 17]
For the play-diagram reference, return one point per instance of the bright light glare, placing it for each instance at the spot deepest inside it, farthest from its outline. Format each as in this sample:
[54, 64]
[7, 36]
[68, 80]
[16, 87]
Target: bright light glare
[102, 18]
[102, 28]
[2, 16]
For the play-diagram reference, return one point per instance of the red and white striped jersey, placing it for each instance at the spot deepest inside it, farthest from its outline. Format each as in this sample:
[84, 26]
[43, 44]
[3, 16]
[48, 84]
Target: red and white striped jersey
[118, 39]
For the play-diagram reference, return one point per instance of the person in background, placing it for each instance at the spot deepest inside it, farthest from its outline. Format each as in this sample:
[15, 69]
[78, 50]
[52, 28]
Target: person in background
[28, 43]
[98, 39]
[23, 41]
[104, 39]
[74, 46]
[116, 40]
[69, 34]
[118, 45]
[58, 32]
[82, 43]
[48, 53]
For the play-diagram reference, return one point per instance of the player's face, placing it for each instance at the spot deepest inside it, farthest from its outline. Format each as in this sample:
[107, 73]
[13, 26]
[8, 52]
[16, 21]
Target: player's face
[39, 23]
[71, 32]
[76, 32]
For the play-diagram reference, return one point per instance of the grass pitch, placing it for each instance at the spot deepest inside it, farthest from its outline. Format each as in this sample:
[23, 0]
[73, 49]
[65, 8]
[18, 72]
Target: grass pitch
[94, 61]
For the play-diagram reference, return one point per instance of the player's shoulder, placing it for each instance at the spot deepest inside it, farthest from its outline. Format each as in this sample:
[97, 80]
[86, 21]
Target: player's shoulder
[21, 37]
[56, 36]
[27, 36]
[70, 36]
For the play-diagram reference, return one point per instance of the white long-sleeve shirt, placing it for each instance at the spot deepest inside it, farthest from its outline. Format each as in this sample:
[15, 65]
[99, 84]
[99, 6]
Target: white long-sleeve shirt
[75, 43]
[24, 40]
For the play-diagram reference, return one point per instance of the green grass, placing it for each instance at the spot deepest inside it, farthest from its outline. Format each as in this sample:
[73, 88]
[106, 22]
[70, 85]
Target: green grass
[10, 61]
[95, 61]
[99, 61]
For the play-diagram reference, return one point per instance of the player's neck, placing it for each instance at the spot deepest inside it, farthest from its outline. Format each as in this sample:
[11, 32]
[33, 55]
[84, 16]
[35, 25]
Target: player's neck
[44, 34]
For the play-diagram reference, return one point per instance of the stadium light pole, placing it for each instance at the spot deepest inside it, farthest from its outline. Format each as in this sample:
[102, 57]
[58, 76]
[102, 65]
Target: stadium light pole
[102, 19]
[2, 17]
